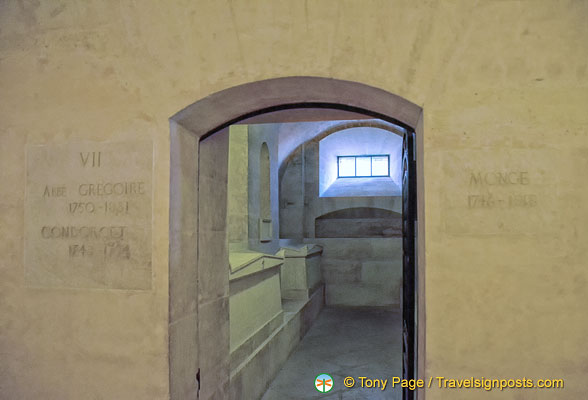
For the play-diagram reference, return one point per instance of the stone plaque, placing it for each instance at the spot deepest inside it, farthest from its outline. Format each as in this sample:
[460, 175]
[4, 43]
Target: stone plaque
[88, 212]
[492, 192]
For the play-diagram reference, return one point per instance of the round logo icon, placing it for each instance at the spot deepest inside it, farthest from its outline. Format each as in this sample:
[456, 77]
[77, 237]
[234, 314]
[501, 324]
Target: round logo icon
[323, 383]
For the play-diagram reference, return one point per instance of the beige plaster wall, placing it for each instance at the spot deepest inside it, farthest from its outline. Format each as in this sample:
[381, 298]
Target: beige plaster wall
[503, 85]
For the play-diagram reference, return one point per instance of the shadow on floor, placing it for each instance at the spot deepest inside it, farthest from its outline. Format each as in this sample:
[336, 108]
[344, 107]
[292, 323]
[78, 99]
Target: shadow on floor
[343, 342]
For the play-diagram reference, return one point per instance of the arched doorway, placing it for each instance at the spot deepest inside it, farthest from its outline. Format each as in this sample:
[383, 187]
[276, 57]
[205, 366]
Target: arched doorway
[199, 289]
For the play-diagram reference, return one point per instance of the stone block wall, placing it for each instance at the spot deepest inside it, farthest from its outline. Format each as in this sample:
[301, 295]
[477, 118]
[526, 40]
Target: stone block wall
[362, 272]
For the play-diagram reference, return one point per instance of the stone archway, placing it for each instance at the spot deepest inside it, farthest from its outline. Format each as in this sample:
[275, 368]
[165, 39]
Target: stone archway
[198, 279]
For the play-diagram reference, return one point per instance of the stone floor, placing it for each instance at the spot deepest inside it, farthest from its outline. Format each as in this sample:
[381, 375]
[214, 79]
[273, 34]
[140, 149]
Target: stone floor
[343, 342]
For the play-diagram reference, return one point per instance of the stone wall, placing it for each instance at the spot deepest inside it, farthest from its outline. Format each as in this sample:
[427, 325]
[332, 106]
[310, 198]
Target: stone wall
[238, 188]
[504, 88]
[361, 267]
[300, 204]
[362, 272]
[362, 258]
[258, 189]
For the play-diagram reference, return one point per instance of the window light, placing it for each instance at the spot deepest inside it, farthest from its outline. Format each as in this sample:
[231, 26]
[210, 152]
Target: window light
[363, 166]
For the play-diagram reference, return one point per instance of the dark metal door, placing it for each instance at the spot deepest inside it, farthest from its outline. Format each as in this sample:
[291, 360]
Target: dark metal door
[409, 216]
